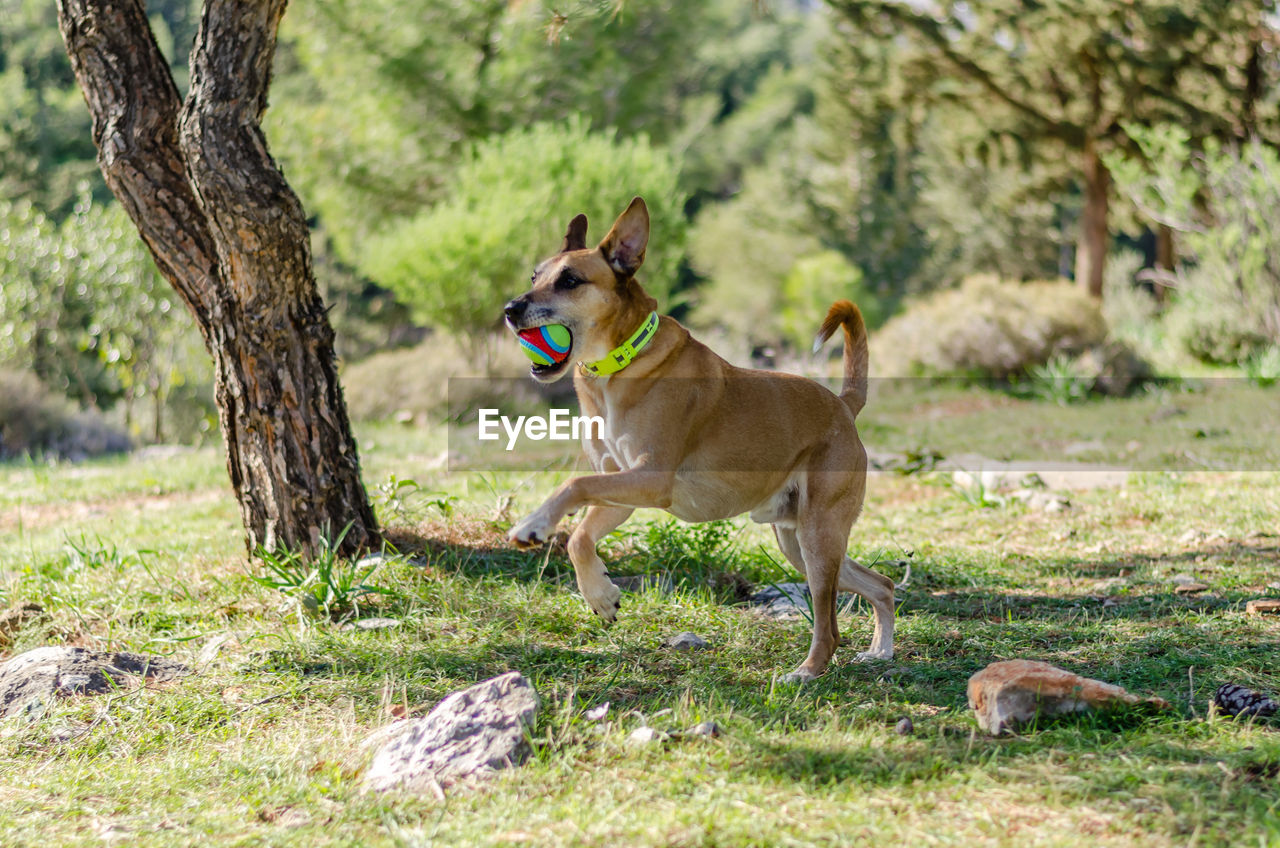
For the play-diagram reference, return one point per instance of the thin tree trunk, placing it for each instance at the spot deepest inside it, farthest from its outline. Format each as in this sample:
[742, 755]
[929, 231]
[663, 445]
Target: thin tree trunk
[1165, 258]
[1091, 250]
[230, 235]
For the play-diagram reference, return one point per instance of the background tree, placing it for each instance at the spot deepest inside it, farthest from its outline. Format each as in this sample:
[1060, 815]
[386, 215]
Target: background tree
[226, 230]
[1060, 78]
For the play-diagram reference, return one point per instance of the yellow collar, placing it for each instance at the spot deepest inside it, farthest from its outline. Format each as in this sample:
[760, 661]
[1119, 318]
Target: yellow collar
[620, 357]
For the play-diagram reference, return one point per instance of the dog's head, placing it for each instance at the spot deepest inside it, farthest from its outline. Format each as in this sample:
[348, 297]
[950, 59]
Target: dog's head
[591, 291]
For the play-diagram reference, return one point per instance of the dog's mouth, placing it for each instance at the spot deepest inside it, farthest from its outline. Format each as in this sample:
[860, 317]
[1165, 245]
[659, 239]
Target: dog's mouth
[550, 349]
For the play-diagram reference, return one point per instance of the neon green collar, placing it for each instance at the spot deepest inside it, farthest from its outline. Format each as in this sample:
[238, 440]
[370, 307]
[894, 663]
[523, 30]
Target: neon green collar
[620, 357]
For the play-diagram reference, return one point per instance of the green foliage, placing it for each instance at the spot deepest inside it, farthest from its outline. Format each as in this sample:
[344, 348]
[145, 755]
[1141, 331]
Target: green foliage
[373, 107]
[1221, 201]
[507, 208]
[83, 306]
[324, 585]
[809, 289]
[1263, 367]
[987, 327]
[1062, 380]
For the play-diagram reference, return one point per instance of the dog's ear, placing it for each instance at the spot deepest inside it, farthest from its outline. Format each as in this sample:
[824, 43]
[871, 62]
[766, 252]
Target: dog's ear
[575, 238]
[624, 247]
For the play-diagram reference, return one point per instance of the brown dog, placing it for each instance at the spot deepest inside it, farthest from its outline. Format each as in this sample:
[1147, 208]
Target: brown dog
[687, 432]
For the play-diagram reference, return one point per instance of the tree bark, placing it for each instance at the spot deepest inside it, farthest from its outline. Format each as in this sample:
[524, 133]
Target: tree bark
[230, 235]
[1091, 249]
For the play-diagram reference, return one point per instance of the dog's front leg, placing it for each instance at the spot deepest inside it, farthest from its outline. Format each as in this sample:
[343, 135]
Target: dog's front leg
[635, 488]
[593, 581]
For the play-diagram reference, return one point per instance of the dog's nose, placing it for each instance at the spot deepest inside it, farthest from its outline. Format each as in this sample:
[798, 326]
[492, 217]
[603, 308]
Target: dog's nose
[514, 309]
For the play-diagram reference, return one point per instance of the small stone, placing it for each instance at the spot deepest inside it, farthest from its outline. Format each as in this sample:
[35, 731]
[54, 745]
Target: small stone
[1236, 700]
[1189, 588]
[889, 675]
[474, 731]
[688, 641]
[1006, 695]
[371, 624]
[904, 727]
[783, 600]
[597, 713]
[1263, 606]
[706, 728]
[645, 736]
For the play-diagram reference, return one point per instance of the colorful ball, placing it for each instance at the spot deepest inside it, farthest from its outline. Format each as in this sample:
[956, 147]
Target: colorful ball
[546, 345]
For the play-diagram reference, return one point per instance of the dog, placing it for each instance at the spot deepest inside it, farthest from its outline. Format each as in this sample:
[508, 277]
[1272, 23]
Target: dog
[689, 433]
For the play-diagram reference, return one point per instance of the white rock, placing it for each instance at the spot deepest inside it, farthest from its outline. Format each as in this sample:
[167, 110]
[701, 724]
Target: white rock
[474, 731]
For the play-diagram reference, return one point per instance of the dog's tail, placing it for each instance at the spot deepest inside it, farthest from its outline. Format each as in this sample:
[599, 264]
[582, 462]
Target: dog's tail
[844, 313]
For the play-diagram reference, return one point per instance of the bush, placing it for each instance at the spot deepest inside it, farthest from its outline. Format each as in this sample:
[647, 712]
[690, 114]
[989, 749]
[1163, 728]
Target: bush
[988, 328]
[33, 423]
[456, 264]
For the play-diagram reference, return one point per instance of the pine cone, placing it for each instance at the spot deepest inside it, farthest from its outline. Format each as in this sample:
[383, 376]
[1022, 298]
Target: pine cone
[1236, 700]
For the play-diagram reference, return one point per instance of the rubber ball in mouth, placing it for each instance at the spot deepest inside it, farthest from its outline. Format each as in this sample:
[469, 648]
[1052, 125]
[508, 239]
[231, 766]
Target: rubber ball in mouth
[546, 345]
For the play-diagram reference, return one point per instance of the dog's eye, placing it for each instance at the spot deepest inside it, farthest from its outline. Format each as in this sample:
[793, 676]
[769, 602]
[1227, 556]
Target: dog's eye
[568, 281]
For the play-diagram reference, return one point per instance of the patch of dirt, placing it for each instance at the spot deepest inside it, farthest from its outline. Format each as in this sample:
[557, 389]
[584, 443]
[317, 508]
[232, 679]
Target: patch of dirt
[29, 517]
[961, 406]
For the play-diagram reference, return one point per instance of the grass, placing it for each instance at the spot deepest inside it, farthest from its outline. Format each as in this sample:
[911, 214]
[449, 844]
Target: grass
[261, 746]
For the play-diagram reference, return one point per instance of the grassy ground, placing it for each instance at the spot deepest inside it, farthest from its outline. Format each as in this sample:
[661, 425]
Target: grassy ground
[262, 745]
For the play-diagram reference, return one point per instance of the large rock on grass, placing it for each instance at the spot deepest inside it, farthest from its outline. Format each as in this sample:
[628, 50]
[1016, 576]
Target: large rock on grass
[32, 680]
[474, 731]
[1007, 695]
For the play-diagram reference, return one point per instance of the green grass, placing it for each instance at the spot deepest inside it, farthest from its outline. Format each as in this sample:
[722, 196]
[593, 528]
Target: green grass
[261, 746]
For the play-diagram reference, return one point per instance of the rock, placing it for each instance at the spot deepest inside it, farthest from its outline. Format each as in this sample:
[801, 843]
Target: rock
[475, 731]
[1263, 606]
[645, 736]
[1008, 694]
[1189, 588]
[904, 727]
[973, 470]
[14, 619]
[688, 641]
[1042, 500]
[380, 559]
[1236, 700]
[706, 728]
[1078, 448]
[371, 624]
[783, 600]
[31, 680]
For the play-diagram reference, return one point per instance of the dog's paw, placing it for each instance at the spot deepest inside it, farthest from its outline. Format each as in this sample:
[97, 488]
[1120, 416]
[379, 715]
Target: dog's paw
[605, 600]
[873, 656]
[800, 675]
[531, 532]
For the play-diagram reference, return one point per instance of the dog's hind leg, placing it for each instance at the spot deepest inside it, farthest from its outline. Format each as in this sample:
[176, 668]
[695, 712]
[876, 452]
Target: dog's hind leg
[821, 553]
[593, 581]
[878, 590]
[790, 547]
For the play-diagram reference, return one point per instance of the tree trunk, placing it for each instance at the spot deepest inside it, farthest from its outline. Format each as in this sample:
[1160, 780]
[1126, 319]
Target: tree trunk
[1165, 258]
[1091, 250]
[230, 235]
